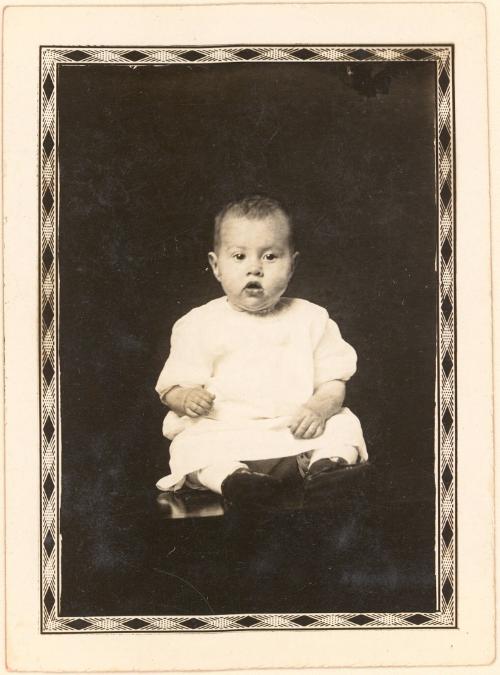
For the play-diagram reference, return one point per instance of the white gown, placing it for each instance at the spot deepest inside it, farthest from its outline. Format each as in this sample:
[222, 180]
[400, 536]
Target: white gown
[260, 368]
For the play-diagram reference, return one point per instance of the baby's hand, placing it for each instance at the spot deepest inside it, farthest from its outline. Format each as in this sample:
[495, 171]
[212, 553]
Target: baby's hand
[198, 401]
[307, 424]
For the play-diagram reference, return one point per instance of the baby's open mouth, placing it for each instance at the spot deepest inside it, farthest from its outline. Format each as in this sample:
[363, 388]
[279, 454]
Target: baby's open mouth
[253, 286]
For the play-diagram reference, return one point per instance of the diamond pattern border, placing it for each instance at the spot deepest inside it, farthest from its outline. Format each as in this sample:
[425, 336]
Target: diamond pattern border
[50, 57]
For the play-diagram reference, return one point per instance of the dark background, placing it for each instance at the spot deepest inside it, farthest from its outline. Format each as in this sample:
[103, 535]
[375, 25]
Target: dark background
[147, 156]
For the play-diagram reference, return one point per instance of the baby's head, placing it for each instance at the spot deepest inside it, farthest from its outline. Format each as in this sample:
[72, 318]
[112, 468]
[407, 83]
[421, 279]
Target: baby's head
[254, 254]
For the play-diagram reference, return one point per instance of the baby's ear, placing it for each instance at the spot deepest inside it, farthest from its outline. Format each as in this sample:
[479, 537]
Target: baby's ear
[212, 259]
[295, 260]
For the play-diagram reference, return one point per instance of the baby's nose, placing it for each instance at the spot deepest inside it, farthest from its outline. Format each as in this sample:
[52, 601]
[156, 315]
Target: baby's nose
[255, 269]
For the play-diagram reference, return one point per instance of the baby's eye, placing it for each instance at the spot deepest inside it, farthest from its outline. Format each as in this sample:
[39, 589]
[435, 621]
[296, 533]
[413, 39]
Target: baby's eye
[270, 256]
[239, 256]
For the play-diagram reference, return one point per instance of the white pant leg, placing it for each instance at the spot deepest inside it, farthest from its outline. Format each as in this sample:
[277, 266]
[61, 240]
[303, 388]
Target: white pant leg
[211, 477]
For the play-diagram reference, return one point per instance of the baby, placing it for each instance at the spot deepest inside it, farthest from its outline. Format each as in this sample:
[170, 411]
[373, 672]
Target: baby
[254, 378]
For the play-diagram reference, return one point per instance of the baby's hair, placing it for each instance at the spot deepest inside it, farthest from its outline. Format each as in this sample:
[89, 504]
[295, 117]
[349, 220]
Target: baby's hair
[253, 206]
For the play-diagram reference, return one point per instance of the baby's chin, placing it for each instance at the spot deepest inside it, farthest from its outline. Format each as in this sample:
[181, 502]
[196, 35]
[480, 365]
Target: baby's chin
[254, 305]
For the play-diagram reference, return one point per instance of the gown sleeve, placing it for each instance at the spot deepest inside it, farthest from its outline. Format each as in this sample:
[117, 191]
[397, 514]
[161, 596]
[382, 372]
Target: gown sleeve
[334, 358]
[188, 364]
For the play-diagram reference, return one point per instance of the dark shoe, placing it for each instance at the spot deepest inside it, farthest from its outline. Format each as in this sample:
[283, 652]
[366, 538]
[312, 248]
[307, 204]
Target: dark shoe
[251, 491]
[326, 466]
[329, 482]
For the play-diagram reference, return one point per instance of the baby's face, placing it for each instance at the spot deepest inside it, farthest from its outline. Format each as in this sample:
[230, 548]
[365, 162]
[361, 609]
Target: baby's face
[254, 263]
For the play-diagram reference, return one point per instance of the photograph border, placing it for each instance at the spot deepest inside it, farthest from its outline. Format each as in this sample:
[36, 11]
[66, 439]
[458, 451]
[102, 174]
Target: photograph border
[51, 57]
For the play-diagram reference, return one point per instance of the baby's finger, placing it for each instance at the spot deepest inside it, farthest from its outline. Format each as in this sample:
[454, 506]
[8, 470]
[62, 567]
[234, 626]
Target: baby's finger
[206, 406]
[319, 430]
[295, 423]
[201, 391]
[190, 413]
[302, 428]
[206, 397]
[311, 430]
[315, 427]
[194, 408]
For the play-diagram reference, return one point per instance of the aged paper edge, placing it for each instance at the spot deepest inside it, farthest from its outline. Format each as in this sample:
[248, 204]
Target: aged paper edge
[480, 246]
